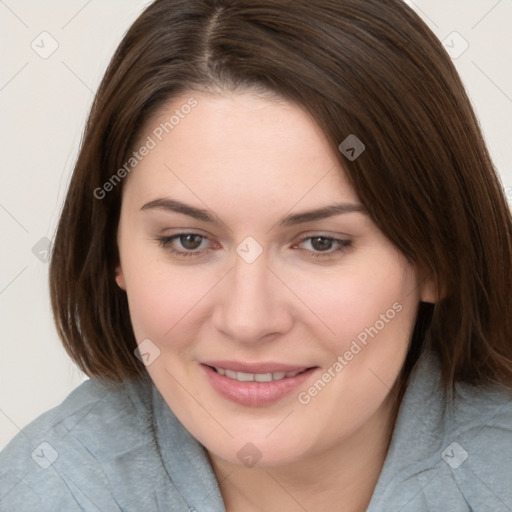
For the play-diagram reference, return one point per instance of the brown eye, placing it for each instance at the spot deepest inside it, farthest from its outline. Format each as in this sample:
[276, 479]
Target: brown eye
[321, 243]
[325, 246]
[190, 241]
[184, 244]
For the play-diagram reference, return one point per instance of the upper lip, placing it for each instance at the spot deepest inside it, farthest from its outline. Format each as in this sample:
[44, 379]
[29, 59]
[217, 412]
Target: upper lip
[270, 367]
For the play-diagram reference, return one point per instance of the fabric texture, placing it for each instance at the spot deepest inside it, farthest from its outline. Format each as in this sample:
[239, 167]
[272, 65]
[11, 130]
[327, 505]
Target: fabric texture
[118, 447]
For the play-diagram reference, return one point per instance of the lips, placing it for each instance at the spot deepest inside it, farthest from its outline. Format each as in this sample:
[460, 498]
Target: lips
[254, 377]
[262, 372]
[256, 367]
[254, 384]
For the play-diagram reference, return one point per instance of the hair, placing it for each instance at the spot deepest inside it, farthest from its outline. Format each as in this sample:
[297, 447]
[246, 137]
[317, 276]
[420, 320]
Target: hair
[366, 67]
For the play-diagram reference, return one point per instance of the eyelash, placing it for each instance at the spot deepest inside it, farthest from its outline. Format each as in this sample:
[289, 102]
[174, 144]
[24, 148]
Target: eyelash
[343, 245]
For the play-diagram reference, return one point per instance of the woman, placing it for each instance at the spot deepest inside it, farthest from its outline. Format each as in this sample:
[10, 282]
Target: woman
[284, 260]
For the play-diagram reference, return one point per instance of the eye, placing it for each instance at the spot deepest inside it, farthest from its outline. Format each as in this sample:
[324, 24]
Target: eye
[190, 241]
[190, 244]
[321, 243]
[325, 246]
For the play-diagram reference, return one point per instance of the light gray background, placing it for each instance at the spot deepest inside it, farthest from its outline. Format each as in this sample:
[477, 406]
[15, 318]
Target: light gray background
[43, 107]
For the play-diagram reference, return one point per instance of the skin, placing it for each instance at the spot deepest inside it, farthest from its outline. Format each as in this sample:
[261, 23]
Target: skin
[250, 160]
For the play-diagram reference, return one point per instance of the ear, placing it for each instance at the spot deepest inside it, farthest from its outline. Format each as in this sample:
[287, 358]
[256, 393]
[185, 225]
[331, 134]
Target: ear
[120, 278]
[429, 292]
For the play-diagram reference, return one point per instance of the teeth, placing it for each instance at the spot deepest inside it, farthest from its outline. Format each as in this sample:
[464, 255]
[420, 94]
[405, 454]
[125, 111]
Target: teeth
[263, 377]
[257, 377]
[245, 377]
[231, 374]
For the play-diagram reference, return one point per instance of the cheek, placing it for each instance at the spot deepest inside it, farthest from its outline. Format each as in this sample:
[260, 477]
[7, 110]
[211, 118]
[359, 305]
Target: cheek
[167, 302]
[360, 302]
[373, 322]
[158, 297]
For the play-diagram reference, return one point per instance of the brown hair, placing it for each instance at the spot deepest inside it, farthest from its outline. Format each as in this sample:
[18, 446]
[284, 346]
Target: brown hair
[366, 67]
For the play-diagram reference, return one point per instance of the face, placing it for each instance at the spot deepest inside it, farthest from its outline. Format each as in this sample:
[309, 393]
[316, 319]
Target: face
[271, 308]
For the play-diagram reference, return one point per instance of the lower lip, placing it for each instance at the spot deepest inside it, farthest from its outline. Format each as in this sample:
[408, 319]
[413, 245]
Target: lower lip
[254, 394]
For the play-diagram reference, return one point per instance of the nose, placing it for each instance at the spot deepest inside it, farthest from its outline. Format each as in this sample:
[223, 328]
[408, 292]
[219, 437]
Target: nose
[253, 303]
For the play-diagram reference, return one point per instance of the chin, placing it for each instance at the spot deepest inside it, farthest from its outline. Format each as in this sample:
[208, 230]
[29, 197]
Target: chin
[262, 452]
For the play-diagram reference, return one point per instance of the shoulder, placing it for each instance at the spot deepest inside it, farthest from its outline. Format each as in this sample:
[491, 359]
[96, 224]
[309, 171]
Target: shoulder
[477, 448]
[45, 465]
[449, 452]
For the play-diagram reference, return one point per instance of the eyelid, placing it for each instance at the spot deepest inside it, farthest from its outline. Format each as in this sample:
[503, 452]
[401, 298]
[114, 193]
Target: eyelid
[343, 245]
[165, 241]
[325, 233]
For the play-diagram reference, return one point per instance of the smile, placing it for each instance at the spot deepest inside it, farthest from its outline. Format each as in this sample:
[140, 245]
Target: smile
[264, 385]
[254, 377]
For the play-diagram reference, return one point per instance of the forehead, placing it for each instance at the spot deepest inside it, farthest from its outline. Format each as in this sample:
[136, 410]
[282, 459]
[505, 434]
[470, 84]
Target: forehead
[237, 145]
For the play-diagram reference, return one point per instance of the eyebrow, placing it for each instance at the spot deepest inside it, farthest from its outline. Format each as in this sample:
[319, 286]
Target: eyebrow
[203, 215]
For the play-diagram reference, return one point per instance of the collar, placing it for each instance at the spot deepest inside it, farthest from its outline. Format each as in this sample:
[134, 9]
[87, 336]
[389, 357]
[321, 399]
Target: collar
[185, 460]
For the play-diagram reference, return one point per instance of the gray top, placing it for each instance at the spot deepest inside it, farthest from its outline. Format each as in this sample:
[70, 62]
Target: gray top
[118, 447]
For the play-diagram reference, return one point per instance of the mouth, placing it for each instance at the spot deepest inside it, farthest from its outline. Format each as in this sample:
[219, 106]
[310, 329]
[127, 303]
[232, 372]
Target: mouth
[255, 385]
[255, 377]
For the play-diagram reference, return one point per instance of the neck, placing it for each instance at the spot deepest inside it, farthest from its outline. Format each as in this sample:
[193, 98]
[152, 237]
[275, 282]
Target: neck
[346, 473]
